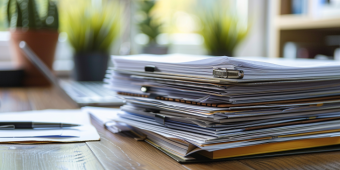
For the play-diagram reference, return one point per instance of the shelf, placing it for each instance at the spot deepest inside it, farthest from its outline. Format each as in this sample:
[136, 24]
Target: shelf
[293, 22]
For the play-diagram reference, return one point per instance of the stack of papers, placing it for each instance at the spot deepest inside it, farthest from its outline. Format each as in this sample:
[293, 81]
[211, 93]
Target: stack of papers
[201, 67]
[183, 108]
[84, 132]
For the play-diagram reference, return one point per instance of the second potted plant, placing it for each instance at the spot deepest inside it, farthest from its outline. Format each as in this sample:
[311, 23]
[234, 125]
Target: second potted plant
[91, 31]
[221, 28]
[149, 26]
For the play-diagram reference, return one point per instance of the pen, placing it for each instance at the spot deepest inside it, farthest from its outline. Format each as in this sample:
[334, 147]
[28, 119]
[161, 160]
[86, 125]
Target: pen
[32, 125]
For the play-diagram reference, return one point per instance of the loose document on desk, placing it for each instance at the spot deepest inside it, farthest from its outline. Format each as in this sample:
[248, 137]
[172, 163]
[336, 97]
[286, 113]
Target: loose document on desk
[84, 132]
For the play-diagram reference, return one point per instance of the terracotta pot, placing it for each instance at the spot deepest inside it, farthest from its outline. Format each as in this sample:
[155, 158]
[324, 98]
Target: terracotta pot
[43, 43]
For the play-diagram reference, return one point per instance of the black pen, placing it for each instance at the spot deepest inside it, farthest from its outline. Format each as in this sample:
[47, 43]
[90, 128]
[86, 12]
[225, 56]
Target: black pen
[32, 125]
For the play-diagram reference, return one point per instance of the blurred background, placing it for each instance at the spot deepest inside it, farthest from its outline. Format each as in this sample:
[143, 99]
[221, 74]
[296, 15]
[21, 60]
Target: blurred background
[291, 29]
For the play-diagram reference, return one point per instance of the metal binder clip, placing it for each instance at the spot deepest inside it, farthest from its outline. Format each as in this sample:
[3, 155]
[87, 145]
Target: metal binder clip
[150, 68]
[144, 89]
[227, 74]
[160, 119]
[152, 110]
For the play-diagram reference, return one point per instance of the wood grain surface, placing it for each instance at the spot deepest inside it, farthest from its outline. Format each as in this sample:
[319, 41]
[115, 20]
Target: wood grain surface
[14, 99]
[119, 151]
[316, 161]
[48, 156]
[122, 149]
[47, 98]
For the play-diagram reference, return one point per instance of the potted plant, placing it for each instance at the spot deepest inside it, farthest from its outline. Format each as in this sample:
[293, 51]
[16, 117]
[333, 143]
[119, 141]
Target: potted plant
[91, 31]
[149, 26]
[40, 33]
[221, 29]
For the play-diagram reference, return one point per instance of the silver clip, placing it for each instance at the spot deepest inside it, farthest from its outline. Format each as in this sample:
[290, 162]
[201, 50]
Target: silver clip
[160, 119]
[144, 89]
[7, 127]
[227, 74]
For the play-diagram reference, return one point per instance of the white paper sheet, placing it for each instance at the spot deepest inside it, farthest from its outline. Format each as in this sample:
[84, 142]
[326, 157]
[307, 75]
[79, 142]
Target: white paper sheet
[85, 132]
[25, 133]
[254, 69]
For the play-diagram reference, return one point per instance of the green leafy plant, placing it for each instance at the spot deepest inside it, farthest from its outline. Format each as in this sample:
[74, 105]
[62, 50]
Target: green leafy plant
[91, 28]
[221, 30]
[3, 17]
[24, 14]
[148, 24]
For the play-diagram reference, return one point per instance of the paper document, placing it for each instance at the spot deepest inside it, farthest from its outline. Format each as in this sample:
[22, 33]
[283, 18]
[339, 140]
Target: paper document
[202, 67]
[84, 132]
[29, 133]
[225, 104]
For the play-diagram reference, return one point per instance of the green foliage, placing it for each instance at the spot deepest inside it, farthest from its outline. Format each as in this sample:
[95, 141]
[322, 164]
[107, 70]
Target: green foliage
[148, 25]
[24, 14]
[221, 30]
[3, 17]
[91, 28]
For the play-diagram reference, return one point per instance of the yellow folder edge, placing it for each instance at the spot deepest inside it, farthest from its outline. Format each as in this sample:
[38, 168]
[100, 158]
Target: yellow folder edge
[271, 147]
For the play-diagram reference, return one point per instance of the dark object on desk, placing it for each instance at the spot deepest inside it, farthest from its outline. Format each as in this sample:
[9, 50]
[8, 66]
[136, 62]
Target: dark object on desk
[11, 76]
[32, 125]
[154, 48]
[90, 66]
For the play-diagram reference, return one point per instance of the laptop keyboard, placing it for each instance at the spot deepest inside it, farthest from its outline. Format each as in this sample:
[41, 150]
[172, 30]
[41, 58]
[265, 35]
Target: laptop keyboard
[89, 92]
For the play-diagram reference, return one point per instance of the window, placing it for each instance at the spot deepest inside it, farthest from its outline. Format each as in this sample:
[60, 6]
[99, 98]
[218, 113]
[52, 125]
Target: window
[180, 23]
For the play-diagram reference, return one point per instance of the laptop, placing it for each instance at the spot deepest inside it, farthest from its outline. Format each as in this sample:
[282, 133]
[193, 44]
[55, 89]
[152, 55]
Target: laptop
[82, 93]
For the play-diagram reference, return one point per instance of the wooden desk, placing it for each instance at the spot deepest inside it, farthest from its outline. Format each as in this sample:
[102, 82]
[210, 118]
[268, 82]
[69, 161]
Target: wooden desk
[118, 151]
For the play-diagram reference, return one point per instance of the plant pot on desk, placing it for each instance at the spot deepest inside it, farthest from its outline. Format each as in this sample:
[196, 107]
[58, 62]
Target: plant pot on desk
[90, 66]
[154, 48]
[43, 43]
